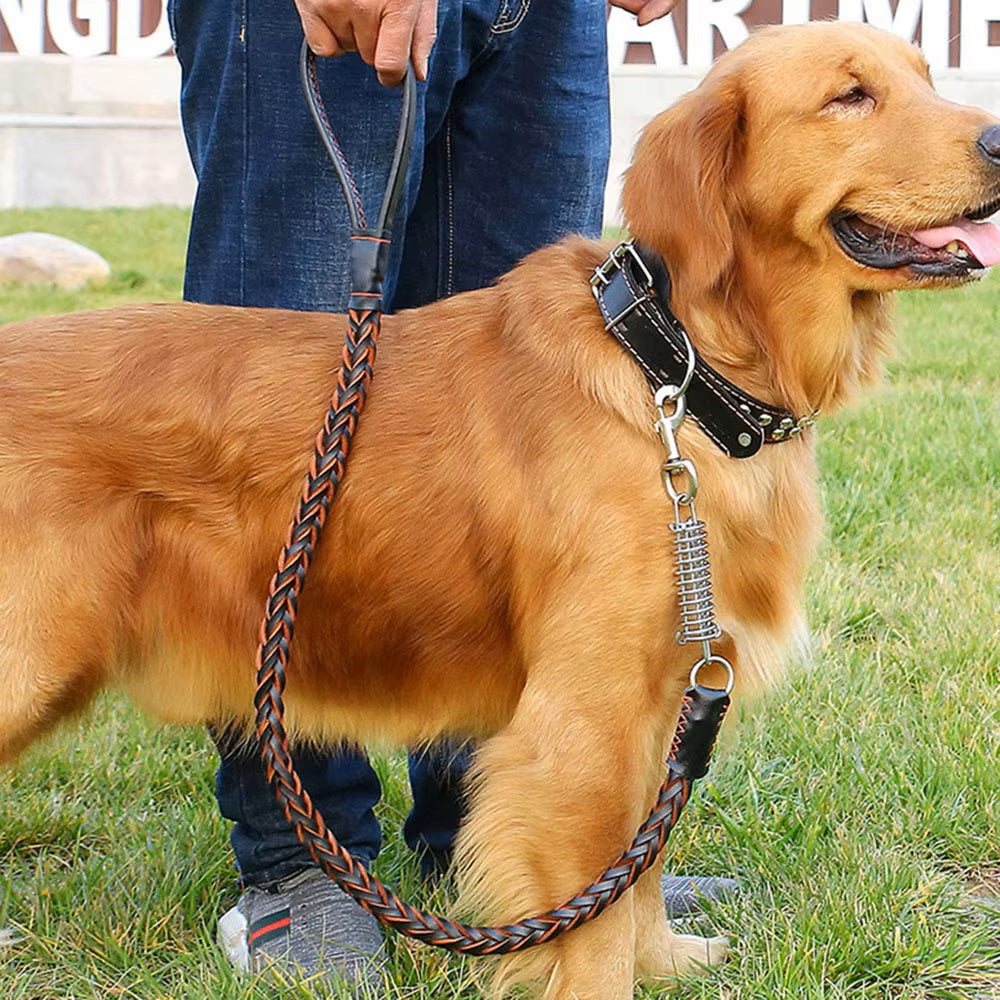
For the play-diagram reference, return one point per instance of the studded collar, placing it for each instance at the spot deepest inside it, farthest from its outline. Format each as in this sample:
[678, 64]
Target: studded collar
[632, 289]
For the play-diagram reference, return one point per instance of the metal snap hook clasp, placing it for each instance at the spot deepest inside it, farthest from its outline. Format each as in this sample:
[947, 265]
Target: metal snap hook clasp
[667, 424]
[672, 471]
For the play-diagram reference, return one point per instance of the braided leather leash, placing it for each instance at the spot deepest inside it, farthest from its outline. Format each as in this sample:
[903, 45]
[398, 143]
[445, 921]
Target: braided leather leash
[702, 708]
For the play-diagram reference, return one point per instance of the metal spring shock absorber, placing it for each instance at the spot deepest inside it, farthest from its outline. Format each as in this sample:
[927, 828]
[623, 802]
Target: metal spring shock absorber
[694, 580]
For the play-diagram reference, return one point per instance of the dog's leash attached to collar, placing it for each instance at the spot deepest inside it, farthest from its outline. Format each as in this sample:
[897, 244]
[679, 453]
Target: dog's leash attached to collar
[701, 709]
[632, 289]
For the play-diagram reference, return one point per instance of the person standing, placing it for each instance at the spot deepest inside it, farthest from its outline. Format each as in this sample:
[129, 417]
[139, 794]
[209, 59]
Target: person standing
[511, 149]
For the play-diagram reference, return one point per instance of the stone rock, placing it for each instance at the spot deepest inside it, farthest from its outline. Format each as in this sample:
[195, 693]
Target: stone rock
[44, 259]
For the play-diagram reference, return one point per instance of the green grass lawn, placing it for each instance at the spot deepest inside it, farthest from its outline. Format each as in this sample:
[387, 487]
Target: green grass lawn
[145, 249]
[859, 803]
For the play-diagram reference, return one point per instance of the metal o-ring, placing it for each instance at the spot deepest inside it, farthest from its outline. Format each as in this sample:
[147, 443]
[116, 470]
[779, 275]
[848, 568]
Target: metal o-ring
[704, 661]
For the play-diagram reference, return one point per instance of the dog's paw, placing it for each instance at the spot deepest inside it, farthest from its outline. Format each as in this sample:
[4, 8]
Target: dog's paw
[688, 953]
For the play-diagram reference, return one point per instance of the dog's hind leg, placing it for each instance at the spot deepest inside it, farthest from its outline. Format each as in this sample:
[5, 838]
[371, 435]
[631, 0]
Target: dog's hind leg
[36, 696]
[57, 629]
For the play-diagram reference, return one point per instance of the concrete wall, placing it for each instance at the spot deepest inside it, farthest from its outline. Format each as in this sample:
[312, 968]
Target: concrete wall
[91, 132]
[92, 162]
[104, 130]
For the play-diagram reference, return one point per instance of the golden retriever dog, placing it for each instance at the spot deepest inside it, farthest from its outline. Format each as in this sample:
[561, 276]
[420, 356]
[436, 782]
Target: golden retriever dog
[498, 564]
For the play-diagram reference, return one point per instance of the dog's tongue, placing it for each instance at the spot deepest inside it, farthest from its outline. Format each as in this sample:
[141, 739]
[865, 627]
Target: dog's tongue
[982, 239]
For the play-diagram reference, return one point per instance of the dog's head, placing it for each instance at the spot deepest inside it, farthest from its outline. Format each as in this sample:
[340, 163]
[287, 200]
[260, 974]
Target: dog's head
[825, 147]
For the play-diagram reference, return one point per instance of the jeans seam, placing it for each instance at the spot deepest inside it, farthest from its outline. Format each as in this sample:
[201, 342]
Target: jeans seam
[245, 178]
[487, 50]
[513, 17]
[244, 799]
[447, 287]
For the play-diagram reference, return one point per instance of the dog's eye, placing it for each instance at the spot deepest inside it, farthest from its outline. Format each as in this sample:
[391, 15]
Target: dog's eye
[855, 99]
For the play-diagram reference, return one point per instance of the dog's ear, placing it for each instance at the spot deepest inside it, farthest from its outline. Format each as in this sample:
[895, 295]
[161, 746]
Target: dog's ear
[680, 194]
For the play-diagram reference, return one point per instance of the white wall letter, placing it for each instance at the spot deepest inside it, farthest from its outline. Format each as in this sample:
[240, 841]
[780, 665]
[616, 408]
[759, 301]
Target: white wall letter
[661, 34]
[794, 11]
[975, 50]
[64, 32]
[134, 45]
[24, 24]
[931, 15]
[703, 16]
[879, 13]
[935, 33]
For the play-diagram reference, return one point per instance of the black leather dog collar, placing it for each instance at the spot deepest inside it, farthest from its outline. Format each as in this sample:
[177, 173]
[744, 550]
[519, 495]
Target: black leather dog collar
[632, 288]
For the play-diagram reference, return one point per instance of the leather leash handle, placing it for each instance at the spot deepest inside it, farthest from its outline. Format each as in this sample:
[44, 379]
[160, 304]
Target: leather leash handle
[369, 250]
[400, 157]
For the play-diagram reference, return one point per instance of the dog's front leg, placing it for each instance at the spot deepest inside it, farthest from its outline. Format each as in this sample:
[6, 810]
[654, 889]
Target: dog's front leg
[660, 953]
[559, 795]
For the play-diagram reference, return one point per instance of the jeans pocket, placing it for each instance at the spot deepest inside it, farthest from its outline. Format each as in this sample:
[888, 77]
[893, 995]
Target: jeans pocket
[510, 15]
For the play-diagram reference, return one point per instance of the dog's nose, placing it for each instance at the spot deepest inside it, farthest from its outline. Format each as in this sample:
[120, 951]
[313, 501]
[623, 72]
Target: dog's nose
[989, 144]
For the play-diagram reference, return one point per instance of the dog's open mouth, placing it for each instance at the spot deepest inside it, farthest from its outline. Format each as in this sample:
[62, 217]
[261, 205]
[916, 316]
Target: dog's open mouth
[959, 248]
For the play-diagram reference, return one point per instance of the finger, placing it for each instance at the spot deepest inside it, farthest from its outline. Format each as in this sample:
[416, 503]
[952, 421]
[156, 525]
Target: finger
[632, 6]
[392, 50]
[424, 33]
[366, 35]
[654, 9]
[346, 38]
[320, 37]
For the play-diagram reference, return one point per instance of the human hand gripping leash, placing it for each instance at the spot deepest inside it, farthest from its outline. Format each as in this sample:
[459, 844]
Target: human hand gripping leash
[702, 708]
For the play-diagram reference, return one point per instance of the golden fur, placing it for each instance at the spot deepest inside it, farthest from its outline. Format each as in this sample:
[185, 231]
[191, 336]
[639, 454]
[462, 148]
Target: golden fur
[497, 564]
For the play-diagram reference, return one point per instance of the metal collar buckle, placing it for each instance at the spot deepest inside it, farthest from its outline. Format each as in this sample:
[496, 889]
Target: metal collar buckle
[603, 273]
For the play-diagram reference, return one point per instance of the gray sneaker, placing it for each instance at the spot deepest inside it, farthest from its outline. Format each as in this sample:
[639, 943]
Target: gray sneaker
[304, 927]
[684, 894]
[308, 927]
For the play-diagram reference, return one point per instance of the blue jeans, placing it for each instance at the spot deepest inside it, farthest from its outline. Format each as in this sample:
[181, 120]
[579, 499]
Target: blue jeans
[344, 788]
[511, 151]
